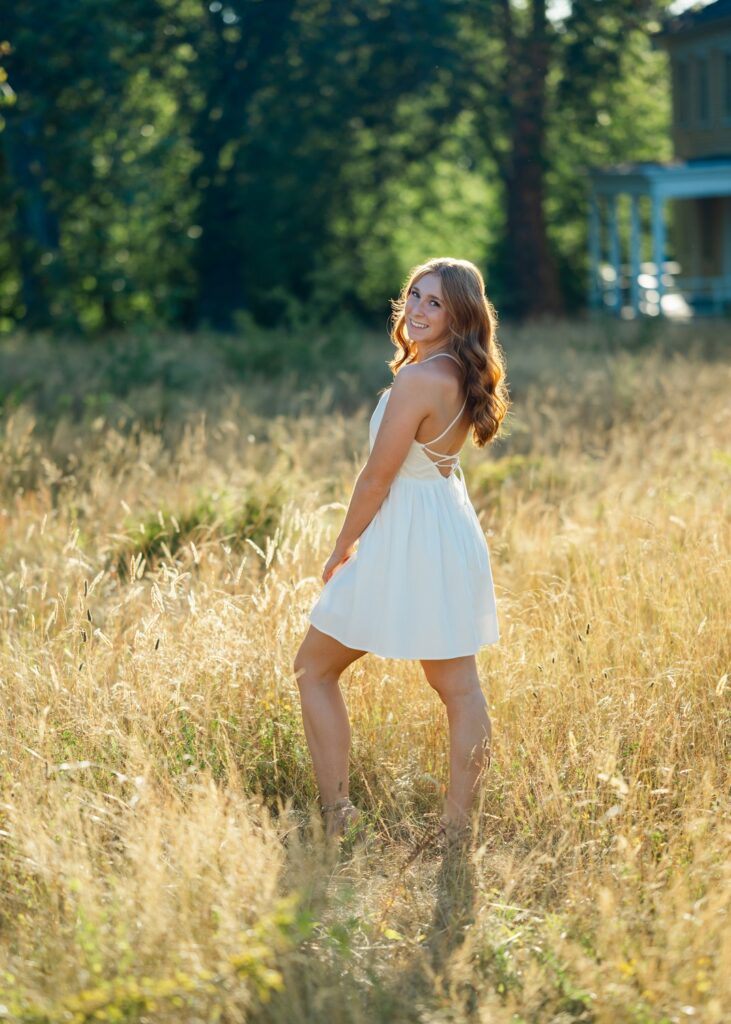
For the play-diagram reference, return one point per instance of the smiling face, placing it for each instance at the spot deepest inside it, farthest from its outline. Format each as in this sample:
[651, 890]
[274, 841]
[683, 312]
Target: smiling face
[425, 314]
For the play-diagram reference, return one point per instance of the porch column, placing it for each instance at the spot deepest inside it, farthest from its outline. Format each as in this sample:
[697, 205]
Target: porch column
[658, 242]
[595, 295]
[634, 253]
[616, 302]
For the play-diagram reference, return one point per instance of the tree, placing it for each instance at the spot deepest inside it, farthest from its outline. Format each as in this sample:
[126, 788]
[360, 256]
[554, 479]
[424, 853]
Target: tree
[68, 66]
[523, 71]
[175, 161]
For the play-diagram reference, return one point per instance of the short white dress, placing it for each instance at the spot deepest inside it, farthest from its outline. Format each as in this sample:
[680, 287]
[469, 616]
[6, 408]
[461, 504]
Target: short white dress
[419, 584]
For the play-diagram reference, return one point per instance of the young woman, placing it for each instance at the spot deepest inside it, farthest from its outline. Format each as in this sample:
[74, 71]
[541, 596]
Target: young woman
[419, 583]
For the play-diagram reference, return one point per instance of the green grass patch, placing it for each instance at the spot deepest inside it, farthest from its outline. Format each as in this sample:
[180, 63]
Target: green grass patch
[225, 518]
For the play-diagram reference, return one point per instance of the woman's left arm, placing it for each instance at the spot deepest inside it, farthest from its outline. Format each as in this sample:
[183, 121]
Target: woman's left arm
[368, 496]
[408, 404]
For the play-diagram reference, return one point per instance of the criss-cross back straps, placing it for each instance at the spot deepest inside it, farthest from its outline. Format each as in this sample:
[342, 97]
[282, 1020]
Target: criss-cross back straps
[448, 427]
[445, 458]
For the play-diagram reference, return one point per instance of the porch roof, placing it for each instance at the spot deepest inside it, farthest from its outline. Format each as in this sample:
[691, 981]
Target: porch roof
[676, 179]
[693, 21]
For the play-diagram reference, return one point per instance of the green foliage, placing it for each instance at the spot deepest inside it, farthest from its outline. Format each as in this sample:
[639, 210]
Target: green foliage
[186, 164]
[498, 479]
[623, 114]
[166, 376]
[227, 518]
[127, 998]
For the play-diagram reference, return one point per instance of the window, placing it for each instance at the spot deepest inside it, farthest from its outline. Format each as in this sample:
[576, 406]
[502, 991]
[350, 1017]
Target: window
[702, 90]
[710, 220]
[682, 93]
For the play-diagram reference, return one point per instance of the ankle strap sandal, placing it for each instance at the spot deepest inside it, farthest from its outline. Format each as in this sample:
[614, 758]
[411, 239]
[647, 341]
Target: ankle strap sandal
[344, 815]
[343, 802]
[450, 836]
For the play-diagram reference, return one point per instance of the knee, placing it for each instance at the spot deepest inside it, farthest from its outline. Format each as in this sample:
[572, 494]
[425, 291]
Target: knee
[310, 672]
[451, 694]
[470, 699]
[441, 693]
[440, 687]
[300, 669]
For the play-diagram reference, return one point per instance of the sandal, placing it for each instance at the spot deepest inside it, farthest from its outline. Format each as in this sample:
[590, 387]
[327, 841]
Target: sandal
[452, 837]
[344, 815]
[447, 838]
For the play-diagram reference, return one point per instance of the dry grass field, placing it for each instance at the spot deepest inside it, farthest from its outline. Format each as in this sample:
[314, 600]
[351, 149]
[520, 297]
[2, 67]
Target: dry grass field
[160, 545]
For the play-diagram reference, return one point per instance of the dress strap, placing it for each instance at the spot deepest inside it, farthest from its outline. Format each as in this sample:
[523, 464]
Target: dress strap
[424, 445]
[447, 354]
[446, 428]
[443, 460]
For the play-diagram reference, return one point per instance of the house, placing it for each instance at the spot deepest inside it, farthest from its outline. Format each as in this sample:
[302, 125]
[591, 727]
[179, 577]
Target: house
[686, 202]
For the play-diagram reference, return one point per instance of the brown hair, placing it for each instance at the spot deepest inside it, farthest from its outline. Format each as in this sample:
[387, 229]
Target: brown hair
[473, 326]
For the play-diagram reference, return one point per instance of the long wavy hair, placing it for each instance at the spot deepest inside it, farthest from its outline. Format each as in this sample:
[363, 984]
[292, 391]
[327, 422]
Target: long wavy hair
[472, 339]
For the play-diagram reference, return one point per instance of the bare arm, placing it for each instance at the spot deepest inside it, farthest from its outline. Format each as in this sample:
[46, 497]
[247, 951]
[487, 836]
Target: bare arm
[367, 497]
[408, 404]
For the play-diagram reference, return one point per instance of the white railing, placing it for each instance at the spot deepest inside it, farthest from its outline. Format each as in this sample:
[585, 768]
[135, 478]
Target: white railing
[682, 297]
[714, 289]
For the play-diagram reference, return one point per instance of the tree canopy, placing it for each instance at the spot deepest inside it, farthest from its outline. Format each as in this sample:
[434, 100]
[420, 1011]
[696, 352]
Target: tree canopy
[171, 162]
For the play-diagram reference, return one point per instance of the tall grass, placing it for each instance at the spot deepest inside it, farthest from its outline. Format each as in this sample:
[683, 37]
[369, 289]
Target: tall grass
[162, 859]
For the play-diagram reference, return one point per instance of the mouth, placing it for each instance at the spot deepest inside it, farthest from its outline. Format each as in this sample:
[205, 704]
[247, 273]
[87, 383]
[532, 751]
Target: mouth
[418, 327]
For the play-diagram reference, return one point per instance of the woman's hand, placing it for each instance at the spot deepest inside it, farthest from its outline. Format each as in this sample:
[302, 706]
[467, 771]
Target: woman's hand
[339, 556]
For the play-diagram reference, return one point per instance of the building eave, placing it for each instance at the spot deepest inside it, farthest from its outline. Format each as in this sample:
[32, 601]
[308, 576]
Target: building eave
[672, 179]
[692, 23]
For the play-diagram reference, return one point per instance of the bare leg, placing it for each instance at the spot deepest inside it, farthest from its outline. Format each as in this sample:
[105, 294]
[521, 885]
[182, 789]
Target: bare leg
[470, 731]
[318, 666]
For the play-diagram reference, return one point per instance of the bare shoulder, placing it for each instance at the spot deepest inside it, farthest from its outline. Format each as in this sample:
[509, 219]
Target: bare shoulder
[432, 373]
[438, 379]
[416, 385]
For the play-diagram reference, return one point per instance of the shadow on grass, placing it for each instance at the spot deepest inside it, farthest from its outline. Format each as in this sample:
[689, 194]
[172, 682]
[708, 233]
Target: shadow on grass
[454, 907]
[349, 969]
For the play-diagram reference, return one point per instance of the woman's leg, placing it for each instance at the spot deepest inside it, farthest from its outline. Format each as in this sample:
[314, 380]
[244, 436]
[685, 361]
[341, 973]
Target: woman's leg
[470, 730]
[318, 665]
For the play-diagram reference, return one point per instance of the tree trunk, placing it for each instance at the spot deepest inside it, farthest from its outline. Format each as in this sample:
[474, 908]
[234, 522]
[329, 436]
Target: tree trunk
[36, 227]
[233, 72]
[531, 275]
[218, 256]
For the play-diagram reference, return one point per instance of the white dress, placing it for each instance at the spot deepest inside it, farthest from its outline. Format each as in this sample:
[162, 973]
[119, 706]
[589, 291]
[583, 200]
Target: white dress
[419, 584]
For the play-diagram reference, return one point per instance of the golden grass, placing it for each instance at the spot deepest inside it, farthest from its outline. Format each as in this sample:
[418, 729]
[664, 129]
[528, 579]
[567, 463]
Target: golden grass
[161, 858]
